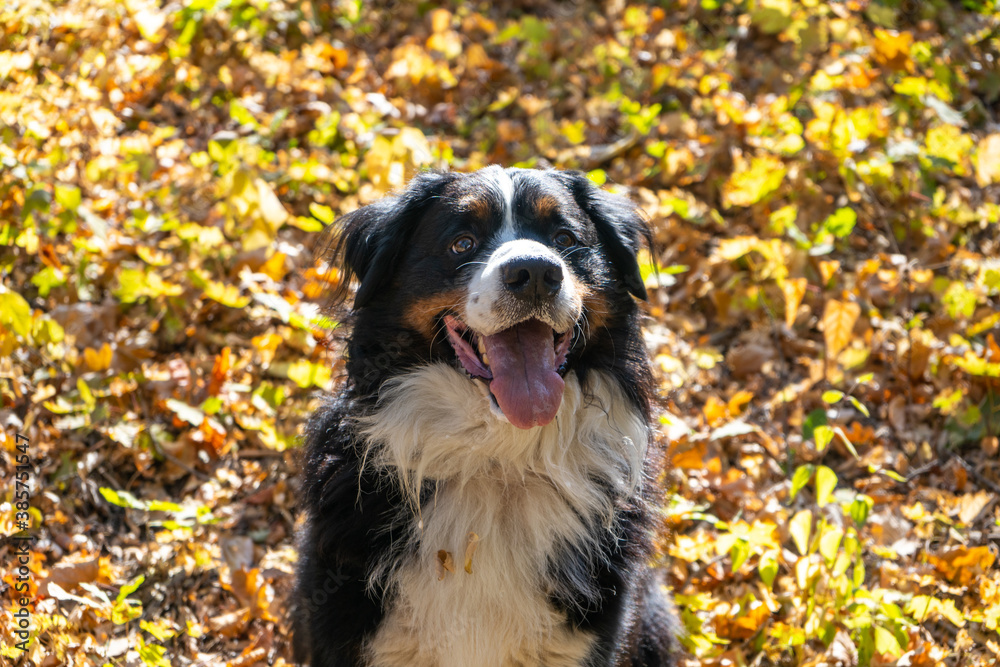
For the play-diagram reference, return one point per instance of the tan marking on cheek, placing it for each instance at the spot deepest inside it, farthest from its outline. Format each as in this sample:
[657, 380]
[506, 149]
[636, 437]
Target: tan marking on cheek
[596, 309]
[421, 316]
[545, 206]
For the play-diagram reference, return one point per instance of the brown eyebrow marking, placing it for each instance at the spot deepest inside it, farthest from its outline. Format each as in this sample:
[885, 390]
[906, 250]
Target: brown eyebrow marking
[545, 206]
[476, 204]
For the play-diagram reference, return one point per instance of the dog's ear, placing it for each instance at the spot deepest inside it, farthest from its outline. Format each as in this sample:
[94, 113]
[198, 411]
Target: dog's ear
[620, 227]
[372, 239]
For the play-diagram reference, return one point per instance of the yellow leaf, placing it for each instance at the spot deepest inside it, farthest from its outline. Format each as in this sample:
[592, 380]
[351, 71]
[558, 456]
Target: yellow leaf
[440, 20]
[886, 642]
[988, 161]
[448, 43]
[826, 482]
[734, 248]
[948, 143]
[793, 289]
[800, 528]
[753, 182]
[271, 209]
[839, 318]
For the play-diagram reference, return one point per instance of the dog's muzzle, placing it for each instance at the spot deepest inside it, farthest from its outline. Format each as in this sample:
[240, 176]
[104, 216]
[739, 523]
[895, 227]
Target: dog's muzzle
[519, 315]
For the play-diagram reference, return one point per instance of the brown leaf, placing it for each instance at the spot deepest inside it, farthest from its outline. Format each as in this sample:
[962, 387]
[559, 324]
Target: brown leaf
[231, 624]
[445, 563]
[70, 575]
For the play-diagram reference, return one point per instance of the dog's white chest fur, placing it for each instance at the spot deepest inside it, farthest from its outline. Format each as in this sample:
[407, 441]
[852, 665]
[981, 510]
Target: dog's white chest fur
[524, 493]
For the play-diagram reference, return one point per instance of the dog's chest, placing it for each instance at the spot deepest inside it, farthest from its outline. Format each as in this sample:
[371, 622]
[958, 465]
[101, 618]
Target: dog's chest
[496, 612]
[527, 496]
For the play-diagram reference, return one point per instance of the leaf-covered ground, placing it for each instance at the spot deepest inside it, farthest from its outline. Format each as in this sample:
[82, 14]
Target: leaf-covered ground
[823, 180]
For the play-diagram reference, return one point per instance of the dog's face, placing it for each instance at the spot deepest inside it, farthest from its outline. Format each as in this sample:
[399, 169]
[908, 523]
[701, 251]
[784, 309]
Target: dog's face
[518, 270]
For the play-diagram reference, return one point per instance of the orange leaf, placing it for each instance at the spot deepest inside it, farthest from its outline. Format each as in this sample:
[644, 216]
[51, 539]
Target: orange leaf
[695, 459]
[266, 345]
[736, 403]
[715, 411]
[275, 266]
[839, 318]
[220, 370]
[98, 360]
[794, 289]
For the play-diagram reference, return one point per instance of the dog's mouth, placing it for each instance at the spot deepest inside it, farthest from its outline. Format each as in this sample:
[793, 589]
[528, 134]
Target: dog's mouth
[523, 367]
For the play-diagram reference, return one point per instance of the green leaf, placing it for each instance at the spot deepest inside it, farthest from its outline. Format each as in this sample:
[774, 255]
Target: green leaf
[303, 373]
[800, 528]
[47, 279]
[841, 222]
[859, 574]
[86, 395]
[152, 655]
[130, 587]
[46, 330]
[160, 629]
[241, 115]
[859, 509]
[866, 646]
[826, 482]
[163, 506]
[121, 498]
[813, 419]
[799, 480]
[68, 197]
[768, 566]
[739, 553]
[771, 16]
[886, 642]
[829, 542]
[847, 442]
[859, 405]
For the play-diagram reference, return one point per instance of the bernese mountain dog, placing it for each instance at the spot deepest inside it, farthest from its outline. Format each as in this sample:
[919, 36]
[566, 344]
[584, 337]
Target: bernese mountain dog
[479, 494]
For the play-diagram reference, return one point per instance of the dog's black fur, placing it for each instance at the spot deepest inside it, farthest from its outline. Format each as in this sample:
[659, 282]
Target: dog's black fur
[397, 250]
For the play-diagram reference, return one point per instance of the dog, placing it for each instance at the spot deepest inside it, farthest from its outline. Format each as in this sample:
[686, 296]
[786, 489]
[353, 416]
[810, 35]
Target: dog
[480, 494]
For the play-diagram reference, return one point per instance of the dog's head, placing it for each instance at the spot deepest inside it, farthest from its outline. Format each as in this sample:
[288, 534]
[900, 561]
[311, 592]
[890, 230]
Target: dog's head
[519, 270]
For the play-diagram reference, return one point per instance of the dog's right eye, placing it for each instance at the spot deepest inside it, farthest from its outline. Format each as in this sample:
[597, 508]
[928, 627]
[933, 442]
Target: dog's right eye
[463, 244]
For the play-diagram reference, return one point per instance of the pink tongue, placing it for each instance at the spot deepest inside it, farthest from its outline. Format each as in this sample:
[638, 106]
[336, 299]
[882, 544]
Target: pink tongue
[525, 382]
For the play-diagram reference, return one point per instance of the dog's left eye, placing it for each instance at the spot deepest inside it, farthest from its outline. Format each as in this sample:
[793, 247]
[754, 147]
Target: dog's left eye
[564, 239]
[463, 244]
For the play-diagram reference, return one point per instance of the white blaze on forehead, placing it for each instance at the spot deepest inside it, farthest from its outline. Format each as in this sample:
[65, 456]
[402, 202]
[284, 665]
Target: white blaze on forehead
[484, 311]
[502, 187]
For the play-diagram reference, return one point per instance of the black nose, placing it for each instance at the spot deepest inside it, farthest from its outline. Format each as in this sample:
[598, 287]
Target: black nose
[532, 277]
